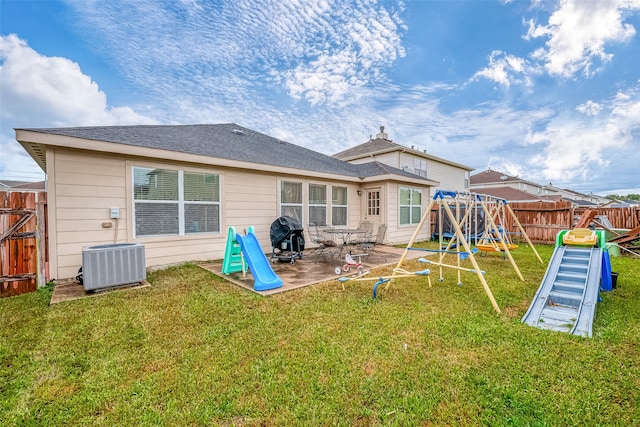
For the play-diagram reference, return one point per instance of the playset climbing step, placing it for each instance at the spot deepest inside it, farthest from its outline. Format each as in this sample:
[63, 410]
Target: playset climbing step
[245, 251]
[233, 261]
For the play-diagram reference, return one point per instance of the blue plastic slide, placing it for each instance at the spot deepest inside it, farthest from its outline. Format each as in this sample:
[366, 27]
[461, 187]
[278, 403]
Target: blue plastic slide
[265, 277]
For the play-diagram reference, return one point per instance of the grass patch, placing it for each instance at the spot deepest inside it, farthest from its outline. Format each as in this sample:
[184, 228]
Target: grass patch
[195, 350]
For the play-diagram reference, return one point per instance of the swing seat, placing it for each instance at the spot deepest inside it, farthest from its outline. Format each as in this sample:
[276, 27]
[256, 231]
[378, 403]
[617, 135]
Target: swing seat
[499, 247]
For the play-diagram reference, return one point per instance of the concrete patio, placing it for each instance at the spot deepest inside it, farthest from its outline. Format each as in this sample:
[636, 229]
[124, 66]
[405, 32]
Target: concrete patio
[313, 268]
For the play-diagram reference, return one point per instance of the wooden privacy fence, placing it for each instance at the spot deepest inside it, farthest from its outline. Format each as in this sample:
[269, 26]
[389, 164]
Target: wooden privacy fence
[23, 248]
[542, 220]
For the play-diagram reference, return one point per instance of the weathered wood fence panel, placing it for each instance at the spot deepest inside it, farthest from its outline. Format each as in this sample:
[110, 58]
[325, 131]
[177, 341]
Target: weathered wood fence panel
[542, 220]
[22, 231]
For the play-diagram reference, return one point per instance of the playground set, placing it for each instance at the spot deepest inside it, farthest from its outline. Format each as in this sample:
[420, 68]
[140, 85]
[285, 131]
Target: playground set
[470, 217]
[565, 301]
[567, 296]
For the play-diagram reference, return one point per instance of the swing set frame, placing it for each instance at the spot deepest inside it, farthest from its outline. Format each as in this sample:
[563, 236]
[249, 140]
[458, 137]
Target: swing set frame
[495, 211]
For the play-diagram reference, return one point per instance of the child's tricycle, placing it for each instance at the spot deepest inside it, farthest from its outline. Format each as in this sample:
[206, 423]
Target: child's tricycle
[351, 262]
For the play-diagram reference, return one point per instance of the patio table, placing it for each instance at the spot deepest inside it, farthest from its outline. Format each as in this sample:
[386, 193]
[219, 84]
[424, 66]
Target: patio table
[344, 234]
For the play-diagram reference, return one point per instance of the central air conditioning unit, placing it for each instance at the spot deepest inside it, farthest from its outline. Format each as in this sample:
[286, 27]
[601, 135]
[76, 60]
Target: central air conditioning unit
[111, 265]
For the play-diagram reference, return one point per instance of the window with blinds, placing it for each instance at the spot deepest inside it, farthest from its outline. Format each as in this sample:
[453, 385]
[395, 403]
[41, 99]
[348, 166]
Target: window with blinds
[318, 204]
[175, 202]
[339, 206]
[420, 167]
[291, 200]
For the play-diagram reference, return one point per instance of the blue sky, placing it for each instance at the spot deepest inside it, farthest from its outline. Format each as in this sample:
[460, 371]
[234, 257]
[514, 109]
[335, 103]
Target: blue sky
[547, 90]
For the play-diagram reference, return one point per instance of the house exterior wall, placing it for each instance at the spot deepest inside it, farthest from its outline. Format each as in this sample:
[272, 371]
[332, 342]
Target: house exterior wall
[451, 178]
[84, 186]
[401, 233]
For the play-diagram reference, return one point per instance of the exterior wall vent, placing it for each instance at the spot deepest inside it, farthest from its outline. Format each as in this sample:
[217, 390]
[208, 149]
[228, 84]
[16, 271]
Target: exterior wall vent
[111, 265]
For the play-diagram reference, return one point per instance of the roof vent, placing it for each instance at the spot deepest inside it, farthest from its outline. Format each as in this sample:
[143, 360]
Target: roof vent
[237, 131]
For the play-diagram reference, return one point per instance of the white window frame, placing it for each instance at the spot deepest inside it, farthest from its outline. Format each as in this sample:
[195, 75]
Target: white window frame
[410, 206]
[317, 205]
[336, 205]
[293, 205]
[420, 171]
[180, 202]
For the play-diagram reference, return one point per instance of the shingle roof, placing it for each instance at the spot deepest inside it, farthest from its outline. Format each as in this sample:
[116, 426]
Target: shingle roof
[381, 145]
[370, 146]
[510, 194]
[227, 141]
[490, 176]
[581, 202]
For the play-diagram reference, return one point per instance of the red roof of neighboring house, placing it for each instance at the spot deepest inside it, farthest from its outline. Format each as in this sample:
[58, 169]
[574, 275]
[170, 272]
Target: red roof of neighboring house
[490, 177]
[511, 194]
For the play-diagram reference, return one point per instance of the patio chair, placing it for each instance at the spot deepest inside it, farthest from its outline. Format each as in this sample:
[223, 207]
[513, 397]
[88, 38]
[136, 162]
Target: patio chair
[370, 247]
[320, 239]
[367, 236]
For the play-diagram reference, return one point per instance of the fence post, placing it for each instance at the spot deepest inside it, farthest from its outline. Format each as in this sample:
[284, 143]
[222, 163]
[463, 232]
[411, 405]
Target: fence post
[41, 232]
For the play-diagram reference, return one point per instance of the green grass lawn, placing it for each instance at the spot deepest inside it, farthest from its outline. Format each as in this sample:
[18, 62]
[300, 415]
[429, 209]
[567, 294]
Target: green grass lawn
[193, 349]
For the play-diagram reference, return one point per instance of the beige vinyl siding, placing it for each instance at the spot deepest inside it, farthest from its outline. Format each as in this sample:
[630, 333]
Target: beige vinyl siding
[399, 234]
[354, 214]
[249, 199]
[407, 163]
[451, 178]
[86, 185]
[85, 188]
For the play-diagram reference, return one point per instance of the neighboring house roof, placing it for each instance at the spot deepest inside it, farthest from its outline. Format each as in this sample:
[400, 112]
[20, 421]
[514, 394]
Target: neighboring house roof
[226, 141]
[7, 184]
[621, 204]
[510, 194]
[379, 145]
[581, 202]
[492, 177]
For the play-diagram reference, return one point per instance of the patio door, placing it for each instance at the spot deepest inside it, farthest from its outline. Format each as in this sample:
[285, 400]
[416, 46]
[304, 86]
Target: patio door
[373, 206]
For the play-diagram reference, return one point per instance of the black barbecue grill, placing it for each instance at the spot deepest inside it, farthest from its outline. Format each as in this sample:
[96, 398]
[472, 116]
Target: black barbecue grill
[287, 239]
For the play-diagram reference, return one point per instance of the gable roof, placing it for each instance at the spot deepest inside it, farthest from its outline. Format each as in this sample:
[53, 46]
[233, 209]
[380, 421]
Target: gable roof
[492, 177]
[381, 145]
[226, 141]
[510, 194]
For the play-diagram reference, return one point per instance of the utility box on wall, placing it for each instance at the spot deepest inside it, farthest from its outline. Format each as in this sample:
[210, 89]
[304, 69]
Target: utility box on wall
[111, 265]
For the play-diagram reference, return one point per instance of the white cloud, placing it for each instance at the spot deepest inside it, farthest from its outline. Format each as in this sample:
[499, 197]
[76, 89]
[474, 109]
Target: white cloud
[506, 70]
[589, 108]
[319, 51]
[577, 33]
[41, 91]
[52, 91]
[578, 150]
